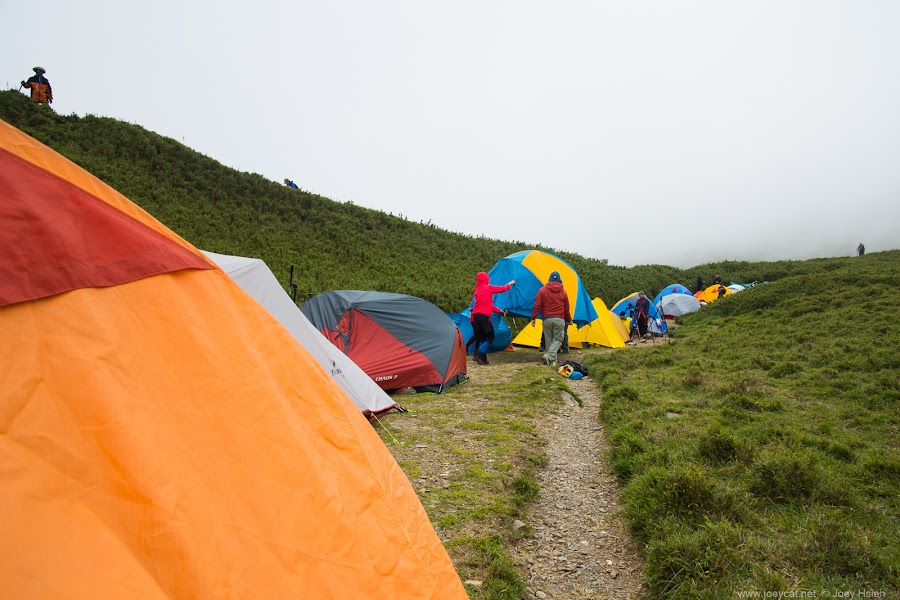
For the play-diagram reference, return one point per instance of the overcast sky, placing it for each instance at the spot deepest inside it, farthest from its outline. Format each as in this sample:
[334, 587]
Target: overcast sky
[640, 132]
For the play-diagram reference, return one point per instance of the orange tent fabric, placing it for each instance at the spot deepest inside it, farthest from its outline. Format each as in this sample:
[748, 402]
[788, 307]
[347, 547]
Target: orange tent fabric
[162, 435]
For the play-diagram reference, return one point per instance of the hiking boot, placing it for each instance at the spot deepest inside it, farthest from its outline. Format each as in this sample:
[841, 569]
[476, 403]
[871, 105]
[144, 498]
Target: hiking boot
[478, 359]
[545, 361]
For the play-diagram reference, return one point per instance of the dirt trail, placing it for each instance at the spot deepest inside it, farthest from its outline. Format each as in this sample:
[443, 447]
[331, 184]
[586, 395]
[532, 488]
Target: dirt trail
[580, 547]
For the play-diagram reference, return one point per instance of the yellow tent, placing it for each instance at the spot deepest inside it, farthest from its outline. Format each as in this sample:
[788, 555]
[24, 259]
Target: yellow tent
[620, 326]
[602, 331]
[163, 436]
[711, 294]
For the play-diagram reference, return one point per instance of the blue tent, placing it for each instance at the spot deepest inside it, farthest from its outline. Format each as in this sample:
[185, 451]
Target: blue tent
[627, 303]
[502, 334]
[531, 269]
[657, 323]
[675, 288]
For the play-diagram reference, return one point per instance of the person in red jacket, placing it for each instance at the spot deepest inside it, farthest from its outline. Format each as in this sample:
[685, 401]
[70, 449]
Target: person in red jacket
[482, 309]
[41, 92]
[552, 305]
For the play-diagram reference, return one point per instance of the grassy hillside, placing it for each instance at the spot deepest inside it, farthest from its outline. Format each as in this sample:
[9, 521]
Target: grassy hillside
[332, 245]
[760, 449]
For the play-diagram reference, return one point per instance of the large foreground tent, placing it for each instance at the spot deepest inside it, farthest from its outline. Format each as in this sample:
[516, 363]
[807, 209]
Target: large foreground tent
[163, 436]
[531, 269]
[502, 334]
[398, 340]
[256, 279]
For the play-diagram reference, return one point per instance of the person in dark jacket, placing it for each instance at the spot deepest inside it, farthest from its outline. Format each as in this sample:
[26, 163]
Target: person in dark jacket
[552, 305]
[717, 280]
[482, 310]
[642, 313]
[41, 93]
[700, 287]
[861, 249]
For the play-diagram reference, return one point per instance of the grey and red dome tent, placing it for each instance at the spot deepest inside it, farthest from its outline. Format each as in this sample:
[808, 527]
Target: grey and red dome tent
[398, 340]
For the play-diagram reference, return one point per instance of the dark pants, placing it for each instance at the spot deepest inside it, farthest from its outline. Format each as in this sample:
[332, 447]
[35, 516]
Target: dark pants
[483, 330]
[642, 324]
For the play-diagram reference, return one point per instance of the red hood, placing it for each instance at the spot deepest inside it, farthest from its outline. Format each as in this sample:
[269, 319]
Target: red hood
[482, 277]
[554, 286]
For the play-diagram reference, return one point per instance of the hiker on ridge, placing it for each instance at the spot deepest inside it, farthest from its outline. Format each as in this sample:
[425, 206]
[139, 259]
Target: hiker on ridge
[41, 93]
[552, 305]
[717, 280]
[482, 310]
[700, 287]
[860, 250]
[291, 184]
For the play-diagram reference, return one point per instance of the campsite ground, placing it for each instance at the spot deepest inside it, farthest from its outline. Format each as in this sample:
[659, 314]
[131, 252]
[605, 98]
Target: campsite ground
[514, 464]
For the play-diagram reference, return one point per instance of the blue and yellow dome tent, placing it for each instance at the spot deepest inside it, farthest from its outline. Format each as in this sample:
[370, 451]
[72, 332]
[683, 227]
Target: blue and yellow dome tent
[657, 323]
[531, 269]
[602, 331]
[502, 334]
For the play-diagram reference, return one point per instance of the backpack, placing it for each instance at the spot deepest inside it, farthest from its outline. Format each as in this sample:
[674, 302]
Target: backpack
[577, 367]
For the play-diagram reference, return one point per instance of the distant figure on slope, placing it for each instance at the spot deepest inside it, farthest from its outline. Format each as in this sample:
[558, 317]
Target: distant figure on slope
[41, 93]
[861, 249]
[642, 311]
[717, 280]
[482, 309]
[552, 305]
[700, 283]
[291, 184]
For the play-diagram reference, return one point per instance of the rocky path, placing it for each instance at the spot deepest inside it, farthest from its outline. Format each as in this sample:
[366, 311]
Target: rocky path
[580, 548]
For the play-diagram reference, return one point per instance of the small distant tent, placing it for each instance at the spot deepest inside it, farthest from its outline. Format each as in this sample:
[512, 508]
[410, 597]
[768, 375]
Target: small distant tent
[711, 294]
[163, 436]
[675, 300]
[675, 305]
[398, 340]
[602, 331]
[735, 288]
[256, 279]
[674, 288]
[656, 324]
[531, 269]
[502, 334]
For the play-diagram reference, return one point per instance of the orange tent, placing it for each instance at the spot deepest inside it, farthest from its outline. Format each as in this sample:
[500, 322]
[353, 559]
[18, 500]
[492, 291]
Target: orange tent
[163, 436]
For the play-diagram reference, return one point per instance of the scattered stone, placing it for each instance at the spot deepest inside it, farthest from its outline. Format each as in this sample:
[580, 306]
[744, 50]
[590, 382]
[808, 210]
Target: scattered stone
[421, 445]
[474, 582]
[517, 525]
[541, 595]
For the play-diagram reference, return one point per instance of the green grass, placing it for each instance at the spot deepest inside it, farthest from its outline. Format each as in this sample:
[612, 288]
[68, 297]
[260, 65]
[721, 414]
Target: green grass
[759, 449]
[473, 454]
[331, 244]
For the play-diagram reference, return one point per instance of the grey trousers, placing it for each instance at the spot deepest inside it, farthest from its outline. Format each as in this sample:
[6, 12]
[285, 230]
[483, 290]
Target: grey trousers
[554, 330]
